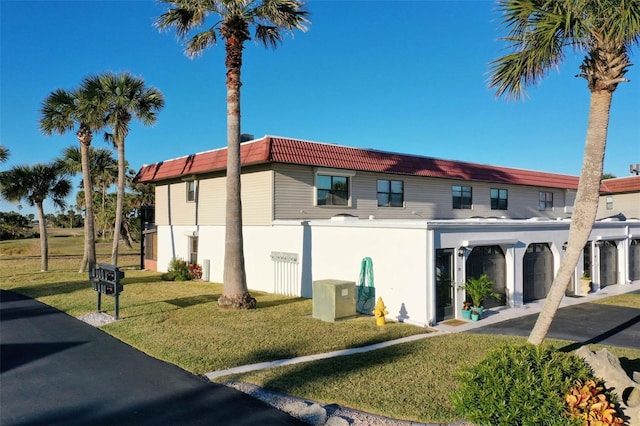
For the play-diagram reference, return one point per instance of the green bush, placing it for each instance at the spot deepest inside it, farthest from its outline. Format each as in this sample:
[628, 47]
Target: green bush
[519, 385]
[178, 271]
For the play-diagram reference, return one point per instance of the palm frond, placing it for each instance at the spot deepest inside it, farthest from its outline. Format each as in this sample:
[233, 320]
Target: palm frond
[199, 42]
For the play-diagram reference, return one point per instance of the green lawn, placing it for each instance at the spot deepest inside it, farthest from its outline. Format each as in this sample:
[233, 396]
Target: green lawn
[179, 322]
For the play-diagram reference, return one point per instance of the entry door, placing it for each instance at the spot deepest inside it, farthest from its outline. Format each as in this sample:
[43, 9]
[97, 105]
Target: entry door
[537, 272]
[634, 260]
[444, 284]
[489, 260]
[608, 263]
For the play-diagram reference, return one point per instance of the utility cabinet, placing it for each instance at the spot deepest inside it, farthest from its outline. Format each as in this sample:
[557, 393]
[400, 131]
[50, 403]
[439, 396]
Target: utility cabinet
[334, 299]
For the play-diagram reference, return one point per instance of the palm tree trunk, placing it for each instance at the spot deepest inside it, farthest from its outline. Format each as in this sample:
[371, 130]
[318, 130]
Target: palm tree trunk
[119, 202]
[44, 244]
[234, 293]
[584, 212]
[89, 259]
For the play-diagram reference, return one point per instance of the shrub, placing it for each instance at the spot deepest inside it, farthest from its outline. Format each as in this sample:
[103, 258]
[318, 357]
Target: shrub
[519, 385]
[178, 271]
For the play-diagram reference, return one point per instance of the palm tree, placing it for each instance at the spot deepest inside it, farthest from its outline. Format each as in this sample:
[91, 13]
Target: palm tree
[4, 154]
[124, 97]
[103, 168]
[64, 111]
[270, 18]
[539, 32]
[34, 184]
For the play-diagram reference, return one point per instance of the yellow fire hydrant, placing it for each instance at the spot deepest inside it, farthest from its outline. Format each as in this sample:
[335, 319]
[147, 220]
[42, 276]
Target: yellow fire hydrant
[380, 311]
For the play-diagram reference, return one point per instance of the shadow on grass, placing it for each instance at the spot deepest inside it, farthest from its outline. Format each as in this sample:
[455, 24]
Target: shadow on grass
[278, 302]
[320, 373]
[52, 289]
[185, 302]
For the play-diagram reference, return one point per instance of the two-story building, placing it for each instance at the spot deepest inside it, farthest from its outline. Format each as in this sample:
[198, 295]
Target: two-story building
[314, 211]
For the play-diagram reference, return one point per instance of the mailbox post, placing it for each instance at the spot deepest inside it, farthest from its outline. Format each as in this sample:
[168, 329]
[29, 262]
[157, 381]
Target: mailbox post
[106, 280]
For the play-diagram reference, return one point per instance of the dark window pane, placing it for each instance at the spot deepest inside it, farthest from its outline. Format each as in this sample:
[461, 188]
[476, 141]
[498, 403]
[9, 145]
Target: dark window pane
[383, 186]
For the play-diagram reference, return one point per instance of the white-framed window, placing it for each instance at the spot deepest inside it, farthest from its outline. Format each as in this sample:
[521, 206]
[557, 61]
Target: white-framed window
[191, 190]
[333, 187]
[609, 202]
[545, 200]
[390, 193]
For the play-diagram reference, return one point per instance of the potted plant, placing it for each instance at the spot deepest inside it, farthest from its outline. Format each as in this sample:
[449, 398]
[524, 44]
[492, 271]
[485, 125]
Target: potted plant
[479, 288]
[475, 315]
[585, 282]
[466, 310]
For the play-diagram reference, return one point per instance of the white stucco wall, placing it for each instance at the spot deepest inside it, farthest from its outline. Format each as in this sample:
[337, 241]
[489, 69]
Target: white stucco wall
[288, 256]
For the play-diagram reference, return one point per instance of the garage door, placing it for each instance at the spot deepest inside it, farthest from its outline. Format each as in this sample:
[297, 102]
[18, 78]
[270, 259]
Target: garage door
[489, 260]
[608, 263]
[634, 260]
[537, 272]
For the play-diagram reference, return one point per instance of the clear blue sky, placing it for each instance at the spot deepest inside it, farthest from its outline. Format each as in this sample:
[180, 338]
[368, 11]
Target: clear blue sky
[402, 76]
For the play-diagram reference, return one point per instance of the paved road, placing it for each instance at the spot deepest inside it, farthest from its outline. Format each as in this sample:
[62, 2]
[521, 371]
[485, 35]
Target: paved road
[584, 323]
[57, 370]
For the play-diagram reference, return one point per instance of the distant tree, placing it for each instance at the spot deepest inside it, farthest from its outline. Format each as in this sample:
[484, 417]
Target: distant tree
[608, 176]
[539, 32]
[14, 225]
[34, 184]
[63, 111]
[124, 97]
[233, 19]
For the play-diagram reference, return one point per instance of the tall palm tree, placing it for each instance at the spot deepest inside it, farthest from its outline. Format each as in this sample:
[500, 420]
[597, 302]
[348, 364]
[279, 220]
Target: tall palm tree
[64, 111]
[124, 97]
[271, 18]
[34, 184]
[539, 33]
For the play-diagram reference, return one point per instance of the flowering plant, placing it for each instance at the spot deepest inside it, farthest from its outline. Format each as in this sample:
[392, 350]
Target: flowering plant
[195, 271]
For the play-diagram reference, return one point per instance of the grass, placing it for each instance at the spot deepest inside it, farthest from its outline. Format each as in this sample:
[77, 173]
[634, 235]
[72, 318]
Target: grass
[179, 322]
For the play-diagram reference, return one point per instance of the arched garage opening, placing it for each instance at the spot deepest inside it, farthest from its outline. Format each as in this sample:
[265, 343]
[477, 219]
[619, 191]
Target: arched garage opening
[489, 260]
[537, 272]
[634, 260]
[608, 263]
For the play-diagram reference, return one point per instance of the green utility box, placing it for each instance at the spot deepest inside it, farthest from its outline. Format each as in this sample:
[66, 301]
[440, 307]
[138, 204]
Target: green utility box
[334, 299]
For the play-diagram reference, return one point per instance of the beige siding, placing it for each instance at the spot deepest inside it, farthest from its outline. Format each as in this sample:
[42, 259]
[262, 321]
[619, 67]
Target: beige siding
[161, 205]
[427, 198]
[256, 192]
[627, 204]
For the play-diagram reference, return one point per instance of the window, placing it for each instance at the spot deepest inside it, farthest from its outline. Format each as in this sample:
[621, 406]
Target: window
[390, 193]
[498, 199]
[193, 250]
[191, 190]
[545, 200]
[461, 197]
[609, 202]
[332, 190]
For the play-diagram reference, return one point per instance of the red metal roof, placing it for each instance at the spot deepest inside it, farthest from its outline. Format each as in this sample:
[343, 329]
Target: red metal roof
[271, 149]
[620, 185]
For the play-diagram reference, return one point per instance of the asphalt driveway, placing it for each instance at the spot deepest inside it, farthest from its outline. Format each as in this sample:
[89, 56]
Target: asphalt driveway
[55, 369]
[584, 323]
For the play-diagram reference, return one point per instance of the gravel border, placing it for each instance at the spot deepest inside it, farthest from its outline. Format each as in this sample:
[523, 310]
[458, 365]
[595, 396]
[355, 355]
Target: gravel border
[314, 413]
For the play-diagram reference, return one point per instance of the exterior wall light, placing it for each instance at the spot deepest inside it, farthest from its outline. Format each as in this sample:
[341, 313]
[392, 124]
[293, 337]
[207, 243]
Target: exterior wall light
[462, 251]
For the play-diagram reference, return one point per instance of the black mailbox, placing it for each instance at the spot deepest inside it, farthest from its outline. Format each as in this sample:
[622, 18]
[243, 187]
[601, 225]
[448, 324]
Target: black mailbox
[106, 280]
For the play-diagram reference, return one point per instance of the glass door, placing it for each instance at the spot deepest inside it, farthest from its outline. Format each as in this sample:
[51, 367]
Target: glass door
[444, 284]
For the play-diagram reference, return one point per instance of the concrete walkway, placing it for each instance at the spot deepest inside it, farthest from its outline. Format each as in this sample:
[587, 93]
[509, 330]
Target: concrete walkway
[624, 328]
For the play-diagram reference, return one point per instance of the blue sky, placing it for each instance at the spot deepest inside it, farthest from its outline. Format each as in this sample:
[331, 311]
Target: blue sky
[393, 75]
